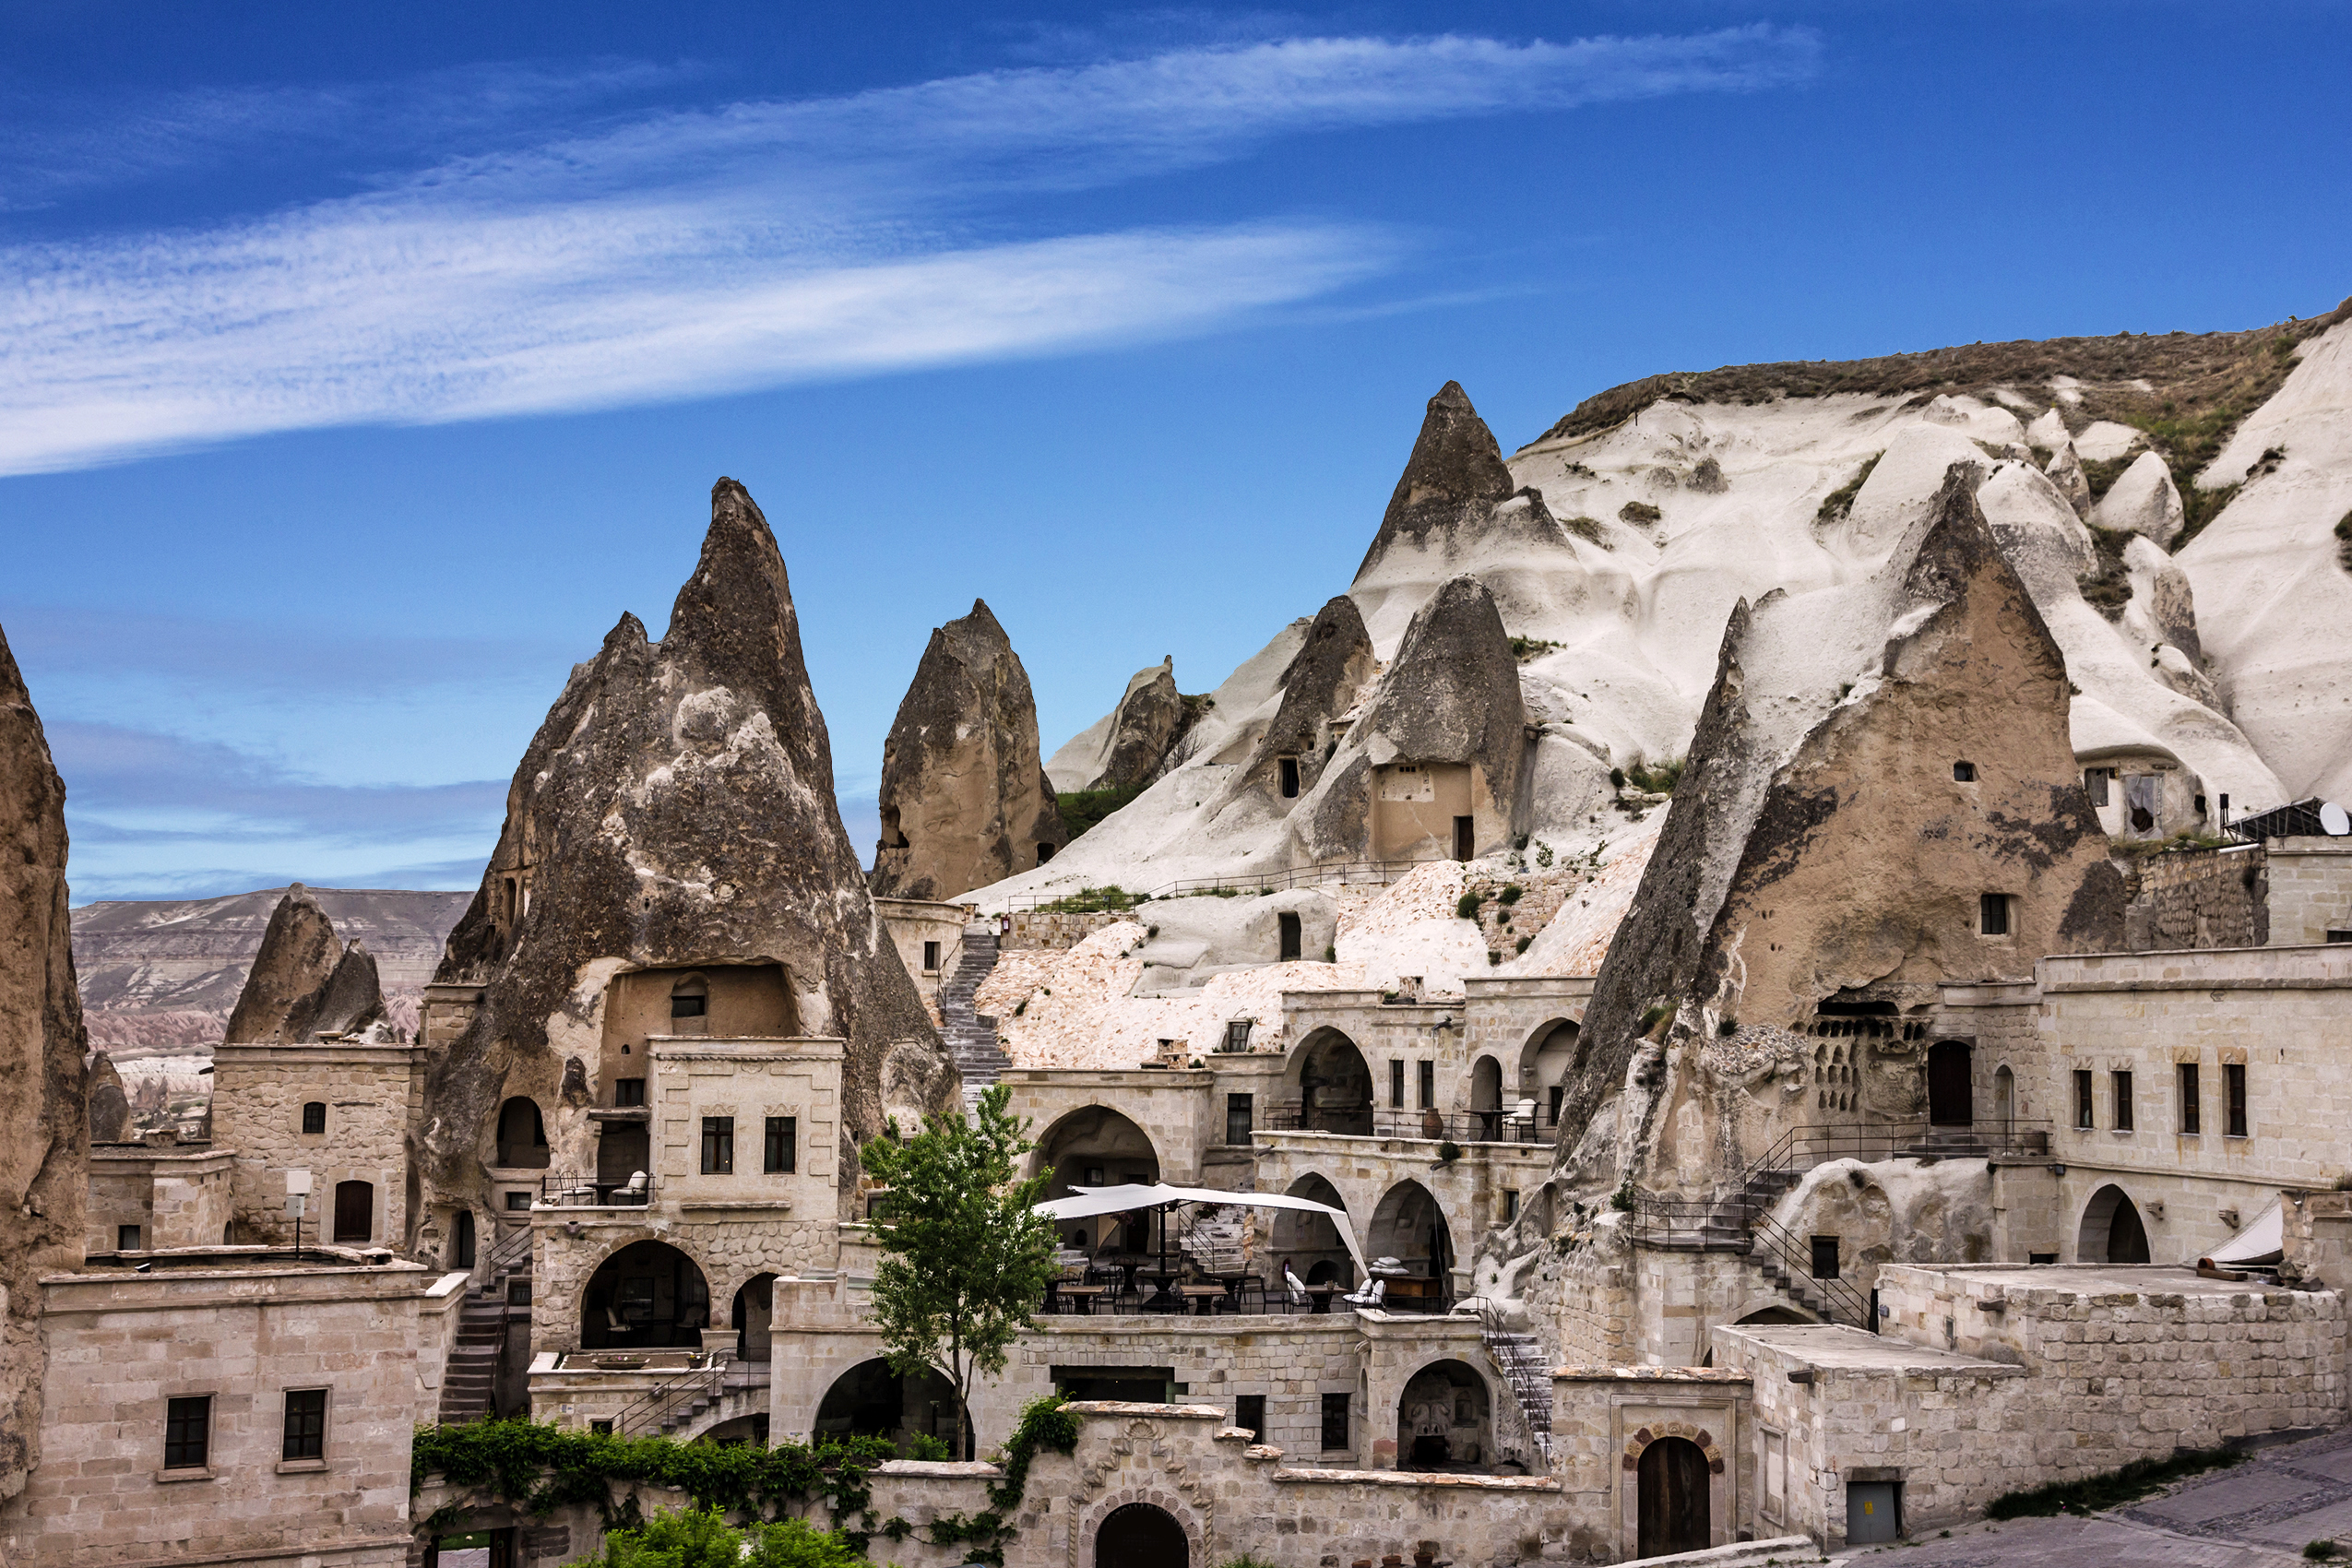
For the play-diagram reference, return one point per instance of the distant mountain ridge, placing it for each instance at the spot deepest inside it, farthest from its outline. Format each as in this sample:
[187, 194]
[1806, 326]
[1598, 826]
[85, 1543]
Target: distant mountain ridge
[162, 973]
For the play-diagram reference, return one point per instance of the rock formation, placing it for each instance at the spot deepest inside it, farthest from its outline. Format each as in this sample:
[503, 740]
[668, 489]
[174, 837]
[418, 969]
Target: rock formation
[2143, 501]
[675, 809]
[1129, 746]
[1320, 684]
[1451, 697]
[965, 799]
[1871, 764]
[2066, 472]
[110, 1107]
[306, 983]
[44, 1162]
[1452, 482]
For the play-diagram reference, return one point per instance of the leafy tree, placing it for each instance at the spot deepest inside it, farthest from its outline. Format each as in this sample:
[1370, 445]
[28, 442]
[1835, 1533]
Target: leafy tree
[701, 1537]
[965, 1254]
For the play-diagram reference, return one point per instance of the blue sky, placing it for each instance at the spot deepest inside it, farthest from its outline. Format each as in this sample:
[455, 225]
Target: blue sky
[359, 365]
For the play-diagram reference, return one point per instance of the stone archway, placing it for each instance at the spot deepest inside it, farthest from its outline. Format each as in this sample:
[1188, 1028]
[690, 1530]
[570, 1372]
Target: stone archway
[1141, 1535]
[1310, 1243]
[2112, 1230]
[646, 1295]
[1335, 1084]
[1445, 1420]
[1486, 1096]
[1674, 1486]
[1411, 1227]
[870, 1400]
[521, 1134]
[1097, 1147]
[1547, 1063]
[1158, 1493]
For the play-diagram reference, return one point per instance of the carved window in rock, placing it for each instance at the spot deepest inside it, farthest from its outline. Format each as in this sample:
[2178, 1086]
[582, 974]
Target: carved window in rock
[1992, 914]
[690, 1007]
[1289, 769]
[1964, 773]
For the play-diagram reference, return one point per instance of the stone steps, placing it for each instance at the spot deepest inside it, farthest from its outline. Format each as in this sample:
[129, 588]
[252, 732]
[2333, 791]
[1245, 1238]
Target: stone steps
[971, 1035]
[469, 1379]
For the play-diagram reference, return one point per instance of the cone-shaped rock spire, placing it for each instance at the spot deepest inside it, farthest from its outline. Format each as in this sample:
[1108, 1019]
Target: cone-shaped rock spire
[1453, 480]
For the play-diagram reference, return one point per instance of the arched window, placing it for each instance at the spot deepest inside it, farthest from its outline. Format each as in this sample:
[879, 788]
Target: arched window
[315, 1117]
[690, 1007]
[522, 1135]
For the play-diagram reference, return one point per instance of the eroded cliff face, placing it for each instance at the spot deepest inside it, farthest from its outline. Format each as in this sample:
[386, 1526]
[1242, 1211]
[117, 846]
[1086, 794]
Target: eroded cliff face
[676, 809]
[1853, 797]
[965, 799]
[44, 1161]
[1321, 683]
[305, 982]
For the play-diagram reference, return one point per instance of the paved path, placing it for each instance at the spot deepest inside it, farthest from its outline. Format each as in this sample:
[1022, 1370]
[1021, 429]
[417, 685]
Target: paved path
[2256, 1514]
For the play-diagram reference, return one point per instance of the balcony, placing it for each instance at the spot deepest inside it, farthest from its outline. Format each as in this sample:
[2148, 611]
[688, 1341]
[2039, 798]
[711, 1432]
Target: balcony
[579, 1189]
[1436, 1126]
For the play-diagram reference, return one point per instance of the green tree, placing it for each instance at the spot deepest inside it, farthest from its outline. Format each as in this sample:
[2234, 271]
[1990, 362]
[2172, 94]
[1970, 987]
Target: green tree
[701, 1537]
[965, 1254]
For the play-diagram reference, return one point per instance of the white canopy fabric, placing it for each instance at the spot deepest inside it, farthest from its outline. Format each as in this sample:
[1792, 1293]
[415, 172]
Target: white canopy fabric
[2263, 1242]
[1086, 1202]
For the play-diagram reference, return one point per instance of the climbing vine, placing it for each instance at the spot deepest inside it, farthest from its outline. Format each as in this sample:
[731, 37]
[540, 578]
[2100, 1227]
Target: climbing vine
[1045, 1424]
[540, 1467]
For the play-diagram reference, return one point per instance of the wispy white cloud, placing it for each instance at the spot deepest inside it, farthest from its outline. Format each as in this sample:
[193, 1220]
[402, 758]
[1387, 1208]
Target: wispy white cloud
[686, 254]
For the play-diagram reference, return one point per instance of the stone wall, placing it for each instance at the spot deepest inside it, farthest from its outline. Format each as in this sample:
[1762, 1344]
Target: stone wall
[2311, 889]
[1581, 1291]
[1602, 1419]
[372, 1094]
[1468, 1191]
[178, 1198]
[1056, 929]
[121, 1345]
[2196, 899]
[912, 922]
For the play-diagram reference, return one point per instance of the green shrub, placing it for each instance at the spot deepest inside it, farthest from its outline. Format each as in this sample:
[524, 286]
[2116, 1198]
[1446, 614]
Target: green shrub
[1511, 893]
[1081, 809]
[1525, 648]
[1449, 1151]
[2322, 1551]
[701, 1537]
[1655, 779]
[1522, 947]
[1468, 906]
[1650, 1019]
[2344, 542]
[1585, 528]
[922, 1446]
[1111, 899]
[2110, 1487]
[1839, 503]
[1639, 512]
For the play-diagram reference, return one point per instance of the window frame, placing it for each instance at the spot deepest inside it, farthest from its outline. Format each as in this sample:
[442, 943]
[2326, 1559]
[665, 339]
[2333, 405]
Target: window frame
[309, 1107]
[1337, 1413]
[780, 1146]
[2188, 1099]
[1396, 1083]
[2237, 1121]
[128, 1236]
[629, 1094]
[176, 1441]
[316, 1419]
[2120, 1088]
[2085, 1101]
[1989, 907]
[1427, 1085]
[718, 1146]
[1245, 1107]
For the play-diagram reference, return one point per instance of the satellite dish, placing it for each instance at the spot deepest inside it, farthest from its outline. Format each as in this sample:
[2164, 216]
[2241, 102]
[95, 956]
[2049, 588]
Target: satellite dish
[2334, 821]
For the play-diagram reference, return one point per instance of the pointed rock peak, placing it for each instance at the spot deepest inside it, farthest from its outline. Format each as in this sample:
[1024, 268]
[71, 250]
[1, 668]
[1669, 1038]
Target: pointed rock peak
[1454, 478]
[1453, 693]
[1321, 683]
[299, 955]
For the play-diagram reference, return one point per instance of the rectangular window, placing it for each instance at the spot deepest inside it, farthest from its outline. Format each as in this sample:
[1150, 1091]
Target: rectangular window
[2084, 1112]
[1992, 914]
[603, 1426]
[1237, 1034]
[2122, 1101]
[2094, 781]
[1249, 1414]
[306, 1424]
[627, 1092]
[2233, 1089]
[1429, 1085]
[718, 1145]
[1286, 928]
[2190, 1124]
[1239, 1114]
[930, 957]
[1776, 1470]
[126, 1238]
[783, 1156]
[518, 1202]
[1510, 1205]
[1396, 1085]
[1335, 1421]
[187, 1432]
[314, 1116]
[1825, 1257]
[1559, 1094]
[1289, 766]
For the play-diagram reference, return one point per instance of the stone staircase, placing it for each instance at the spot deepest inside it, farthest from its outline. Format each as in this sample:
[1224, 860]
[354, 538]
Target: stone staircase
[694, 1405]
[1525, 1371]
[468, 1381]
[972, 1036]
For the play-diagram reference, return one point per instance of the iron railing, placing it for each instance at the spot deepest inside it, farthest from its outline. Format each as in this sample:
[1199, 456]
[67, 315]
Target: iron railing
[1840, 1302]
[1436, 1126]
[653, 1409]
[1143, 1299]
[1355, 873]
[582, 1190]
[513, 1249]
[1521, 1362]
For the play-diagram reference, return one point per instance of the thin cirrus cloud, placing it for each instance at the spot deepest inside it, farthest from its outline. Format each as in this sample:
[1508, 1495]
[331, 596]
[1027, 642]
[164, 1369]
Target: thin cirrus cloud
[690, 253]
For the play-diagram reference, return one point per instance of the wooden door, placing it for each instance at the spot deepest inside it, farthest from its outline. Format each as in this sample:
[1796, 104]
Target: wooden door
[1140, 1536]
[1466, 838]
[1951, 1095]
[354, 1211]
[1674, 1502]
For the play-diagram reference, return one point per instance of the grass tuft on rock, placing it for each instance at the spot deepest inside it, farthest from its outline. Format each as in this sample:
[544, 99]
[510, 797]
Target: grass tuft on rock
[2111, 1488]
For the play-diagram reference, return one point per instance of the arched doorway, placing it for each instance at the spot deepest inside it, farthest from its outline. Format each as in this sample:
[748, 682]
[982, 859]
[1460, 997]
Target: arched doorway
[870, 1400]
[1335, 1085]
[1546, 1064]
[354, 1211]
[1951, 1085]
[2004, 1097]
[1486, 1096]
[1095, 1146]
[1444, 1420]
[1140, 1536]
[1310, 1243]
[1672, 1509]
[2112, 1230]
[522, 1135]
[1410, 1228]
[647, 1296]
[751, 1314]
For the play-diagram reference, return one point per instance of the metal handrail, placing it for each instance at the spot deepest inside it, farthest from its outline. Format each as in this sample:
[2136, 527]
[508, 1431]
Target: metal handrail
[1451, 1126]
[1835, 1293]
[1381, 872]
[1517, 1377]
[608, 1195]
[514, 1246]
[649, 1408]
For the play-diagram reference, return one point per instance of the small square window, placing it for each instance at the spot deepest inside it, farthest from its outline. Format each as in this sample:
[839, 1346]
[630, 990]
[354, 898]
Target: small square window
[1992, 914]
[601, 1426]
[1964, 772]
[306, 1424]
[1825, 1257]
[518, 1202]
[315, 1117]
[126, 1238]
[627, 1092]
[188, 1432]
[783, 1152]
[1335, 1421]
